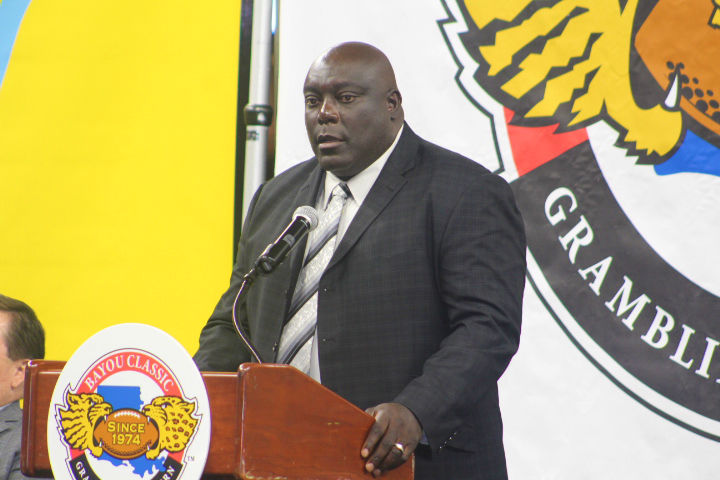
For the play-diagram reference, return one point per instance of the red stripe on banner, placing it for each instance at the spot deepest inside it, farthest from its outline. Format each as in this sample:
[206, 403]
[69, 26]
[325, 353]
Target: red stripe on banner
[535, 146]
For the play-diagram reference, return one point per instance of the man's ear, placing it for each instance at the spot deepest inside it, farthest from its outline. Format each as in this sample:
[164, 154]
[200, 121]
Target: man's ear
[394, 101]
[18, 375]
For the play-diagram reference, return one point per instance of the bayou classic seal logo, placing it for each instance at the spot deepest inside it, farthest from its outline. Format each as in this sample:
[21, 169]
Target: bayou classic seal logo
[125, 413]
[606, 121]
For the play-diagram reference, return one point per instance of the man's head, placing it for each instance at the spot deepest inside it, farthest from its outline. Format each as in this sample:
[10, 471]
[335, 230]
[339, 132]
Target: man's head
[353, 109]
[21, 338]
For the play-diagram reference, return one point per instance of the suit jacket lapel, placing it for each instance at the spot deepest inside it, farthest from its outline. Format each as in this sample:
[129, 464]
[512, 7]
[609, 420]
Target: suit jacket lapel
[307, 195]
[282, 281]
[387, 185]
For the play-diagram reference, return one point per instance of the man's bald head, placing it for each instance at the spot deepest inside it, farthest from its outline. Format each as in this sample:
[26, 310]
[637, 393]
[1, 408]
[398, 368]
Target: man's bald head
[353, 109]
[363, 53]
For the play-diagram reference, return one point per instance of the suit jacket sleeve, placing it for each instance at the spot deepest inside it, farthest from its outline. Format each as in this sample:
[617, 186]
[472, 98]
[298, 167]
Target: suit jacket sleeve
[10, 437]
[480, 275]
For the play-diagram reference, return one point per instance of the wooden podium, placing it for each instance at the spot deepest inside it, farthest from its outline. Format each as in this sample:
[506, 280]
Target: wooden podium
[268, 421]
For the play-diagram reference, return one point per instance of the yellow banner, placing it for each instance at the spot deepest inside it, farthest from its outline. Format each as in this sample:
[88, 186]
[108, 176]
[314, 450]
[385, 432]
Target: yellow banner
[117, 150]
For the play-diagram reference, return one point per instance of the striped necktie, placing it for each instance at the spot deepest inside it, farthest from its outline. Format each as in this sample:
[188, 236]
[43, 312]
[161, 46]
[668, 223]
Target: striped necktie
[298, 333]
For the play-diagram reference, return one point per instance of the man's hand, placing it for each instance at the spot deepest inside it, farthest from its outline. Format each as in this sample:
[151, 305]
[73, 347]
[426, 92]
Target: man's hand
[392, 438]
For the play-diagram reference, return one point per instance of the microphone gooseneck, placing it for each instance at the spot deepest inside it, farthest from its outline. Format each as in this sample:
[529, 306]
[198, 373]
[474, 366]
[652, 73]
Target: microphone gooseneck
[303, 221]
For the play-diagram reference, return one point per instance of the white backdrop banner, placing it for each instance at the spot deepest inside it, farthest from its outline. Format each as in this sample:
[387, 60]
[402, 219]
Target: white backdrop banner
[608, 129]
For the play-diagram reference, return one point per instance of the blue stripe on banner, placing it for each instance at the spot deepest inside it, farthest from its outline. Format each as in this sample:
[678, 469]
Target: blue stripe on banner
[11, 14]
[694, 155]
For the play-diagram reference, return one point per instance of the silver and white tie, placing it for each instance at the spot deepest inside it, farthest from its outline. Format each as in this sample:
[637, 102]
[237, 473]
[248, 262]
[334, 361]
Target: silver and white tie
[298, 333]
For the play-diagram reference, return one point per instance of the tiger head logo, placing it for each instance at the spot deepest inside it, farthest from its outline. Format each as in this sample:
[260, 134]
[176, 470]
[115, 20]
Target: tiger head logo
[568, 63]
[78, 420]
[173, 417]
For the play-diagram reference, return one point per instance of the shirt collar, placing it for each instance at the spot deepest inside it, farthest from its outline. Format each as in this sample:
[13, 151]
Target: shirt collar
[361, 183]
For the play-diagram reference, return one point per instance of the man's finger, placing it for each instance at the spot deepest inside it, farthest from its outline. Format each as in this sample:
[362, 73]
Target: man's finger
[377, 430]
[399, 450]
[391, 439]
[382, 458]
[394, 458]
[400, 438]
[397, 454]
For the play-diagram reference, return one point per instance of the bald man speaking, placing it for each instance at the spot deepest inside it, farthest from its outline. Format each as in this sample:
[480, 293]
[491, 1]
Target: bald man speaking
[406, 299]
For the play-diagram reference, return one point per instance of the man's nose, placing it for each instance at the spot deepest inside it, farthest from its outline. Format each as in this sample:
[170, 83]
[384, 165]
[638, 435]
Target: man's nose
[328, 113]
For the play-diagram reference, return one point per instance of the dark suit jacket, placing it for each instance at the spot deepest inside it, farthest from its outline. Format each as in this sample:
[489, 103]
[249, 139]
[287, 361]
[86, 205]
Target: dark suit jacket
[420, 304]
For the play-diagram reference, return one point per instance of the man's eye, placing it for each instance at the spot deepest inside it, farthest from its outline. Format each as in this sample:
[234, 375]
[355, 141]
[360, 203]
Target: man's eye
[311, 102]
[347, 98]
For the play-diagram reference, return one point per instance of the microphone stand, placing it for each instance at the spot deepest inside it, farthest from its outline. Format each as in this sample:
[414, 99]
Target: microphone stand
[247, 280]
[304, 219]
[264, 264]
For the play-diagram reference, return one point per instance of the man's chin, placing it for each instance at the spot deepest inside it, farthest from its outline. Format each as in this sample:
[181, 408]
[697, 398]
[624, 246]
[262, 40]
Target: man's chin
[334, 164]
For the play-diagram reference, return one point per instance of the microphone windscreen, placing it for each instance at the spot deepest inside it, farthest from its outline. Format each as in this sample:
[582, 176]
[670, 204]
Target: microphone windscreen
[309, 213]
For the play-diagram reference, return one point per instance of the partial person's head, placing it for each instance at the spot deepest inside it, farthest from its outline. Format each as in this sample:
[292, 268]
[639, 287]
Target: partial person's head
[22, 338]
[353, 109]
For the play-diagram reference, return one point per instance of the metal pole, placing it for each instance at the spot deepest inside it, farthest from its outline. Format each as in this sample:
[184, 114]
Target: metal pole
[258, 112]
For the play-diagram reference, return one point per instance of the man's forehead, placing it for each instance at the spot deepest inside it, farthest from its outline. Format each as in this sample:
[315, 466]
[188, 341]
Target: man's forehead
[347, 74]
[5, 319]
[315, 83]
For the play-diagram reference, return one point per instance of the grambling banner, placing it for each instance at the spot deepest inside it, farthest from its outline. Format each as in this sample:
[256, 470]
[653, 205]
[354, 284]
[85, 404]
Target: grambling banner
[595, 99]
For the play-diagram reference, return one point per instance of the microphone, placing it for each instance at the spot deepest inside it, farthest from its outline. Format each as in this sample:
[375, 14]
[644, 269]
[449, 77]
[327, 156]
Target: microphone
[304, 219]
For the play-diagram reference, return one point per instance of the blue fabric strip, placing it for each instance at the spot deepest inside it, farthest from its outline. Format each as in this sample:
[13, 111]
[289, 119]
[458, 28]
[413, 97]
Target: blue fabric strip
[694, 155]
[11, 15]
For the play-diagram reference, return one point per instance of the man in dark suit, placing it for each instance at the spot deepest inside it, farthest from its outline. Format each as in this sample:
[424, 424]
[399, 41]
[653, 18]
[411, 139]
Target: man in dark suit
[418, 310]
[21, 338]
